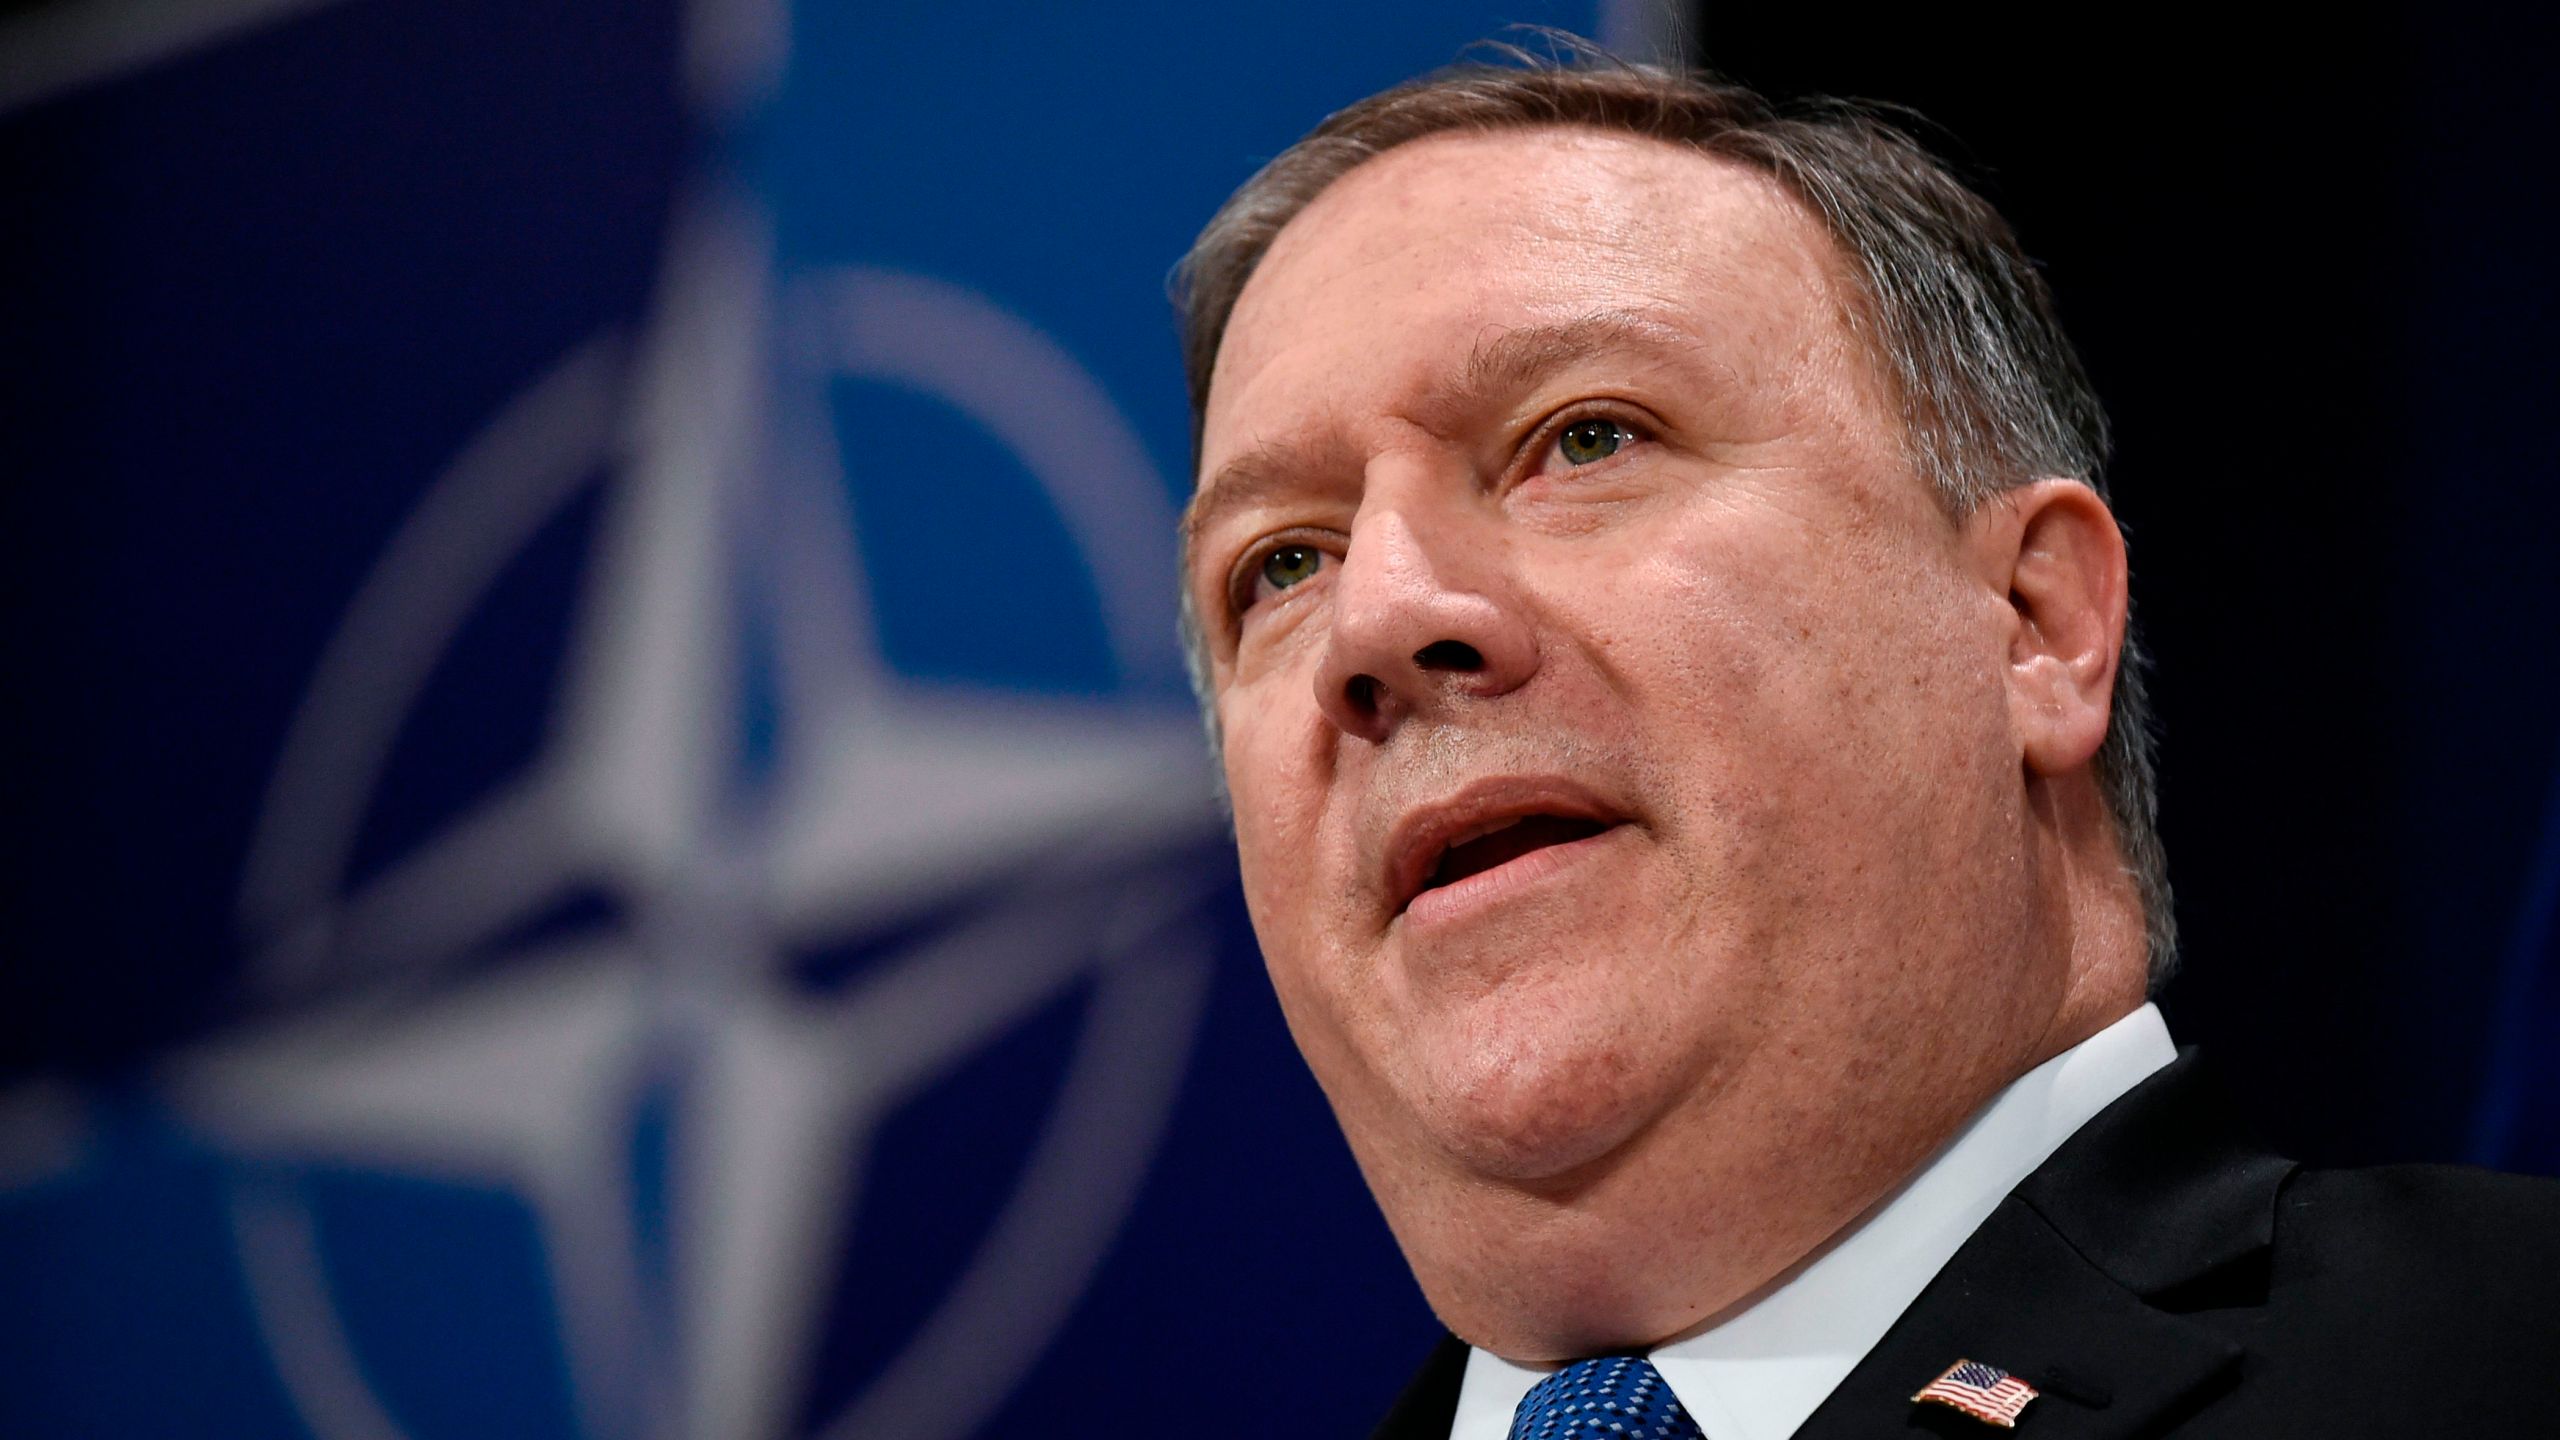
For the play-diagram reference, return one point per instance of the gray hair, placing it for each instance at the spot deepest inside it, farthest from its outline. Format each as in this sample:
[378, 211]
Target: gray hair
[1991, 394]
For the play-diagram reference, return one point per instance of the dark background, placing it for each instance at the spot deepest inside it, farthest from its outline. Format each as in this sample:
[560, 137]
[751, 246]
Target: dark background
[2308, 259]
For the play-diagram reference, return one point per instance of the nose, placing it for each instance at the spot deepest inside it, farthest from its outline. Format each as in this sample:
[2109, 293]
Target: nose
[1423, 617]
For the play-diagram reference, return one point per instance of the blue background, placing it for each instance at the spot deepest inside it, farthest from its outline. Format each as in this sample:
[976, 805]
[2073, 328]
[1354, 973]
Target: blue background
[263, 289]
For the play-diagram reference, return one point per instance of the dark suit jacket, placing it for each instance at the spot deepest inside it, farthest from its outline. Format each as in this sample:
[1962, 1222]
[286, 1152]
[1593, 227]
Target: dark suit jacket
[2159, 1275]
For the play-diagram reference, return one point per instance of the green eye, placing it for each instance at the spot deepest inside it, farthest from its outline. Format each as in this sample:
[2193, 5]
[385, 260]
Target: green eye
[1290, 564]
[1585, 441]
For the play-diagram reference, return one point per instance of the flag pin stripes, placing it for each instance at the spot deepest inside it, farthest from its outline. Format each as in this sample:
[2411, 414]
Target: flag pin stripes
[1985, 1392]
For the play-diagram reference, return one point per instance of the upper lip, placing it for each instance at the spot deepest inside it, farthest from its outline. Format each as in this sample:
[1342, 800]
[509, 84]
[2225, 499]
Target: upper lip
[1423, 834]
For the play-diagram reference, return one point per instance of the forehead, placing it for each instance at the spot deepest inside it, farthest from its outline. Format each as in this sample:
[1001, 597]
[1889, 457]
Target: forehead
[1410, 261]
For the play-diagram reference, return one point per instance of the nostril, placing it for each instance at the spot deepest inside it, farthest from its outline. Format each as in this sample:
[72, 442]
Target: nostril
[1362, 692]
[1449, 655]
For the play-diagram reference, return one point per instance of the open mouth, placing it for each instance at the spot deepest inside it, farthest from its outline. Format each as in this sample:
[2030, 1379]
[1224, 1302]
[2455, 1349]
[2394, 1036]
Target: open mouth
[1505, 843]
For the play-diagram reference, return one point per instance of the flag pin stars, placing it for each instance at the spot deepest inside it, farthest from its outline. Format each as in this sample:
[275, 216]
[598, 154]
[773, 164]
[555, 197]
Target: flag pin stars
[1985, 1392]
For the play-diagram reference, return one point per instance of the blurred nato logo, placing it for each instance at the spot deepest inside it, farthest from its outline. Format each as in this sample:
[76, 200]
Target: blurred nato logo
[575, 1109]
[828, 885]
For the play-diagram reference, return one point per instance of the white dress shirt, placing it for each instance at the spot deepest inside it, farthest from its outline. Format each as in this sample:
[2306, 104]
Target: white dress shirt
[1761, 1371]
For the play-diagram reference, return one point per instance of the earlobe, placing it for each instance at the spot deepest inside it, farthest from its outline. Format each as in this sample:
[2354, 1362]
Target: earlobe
[2065, 564]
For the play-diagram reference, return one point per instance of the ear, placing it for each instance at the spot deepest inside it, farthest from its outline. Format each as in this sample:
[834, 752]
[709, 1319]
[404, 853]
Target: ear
[2054, 546]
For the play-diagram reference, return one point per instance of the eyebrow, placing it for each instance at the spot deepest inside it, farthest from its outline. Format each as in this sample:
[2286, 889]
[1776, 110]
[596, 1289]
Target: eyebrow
[1505, 360]
[1270, 466]
[1521, 355]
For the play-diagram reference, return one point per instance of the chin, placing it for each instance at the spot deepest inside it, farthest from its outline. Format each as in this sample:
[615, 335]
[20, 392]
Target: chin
[1525, 1110]
[1571, 1284]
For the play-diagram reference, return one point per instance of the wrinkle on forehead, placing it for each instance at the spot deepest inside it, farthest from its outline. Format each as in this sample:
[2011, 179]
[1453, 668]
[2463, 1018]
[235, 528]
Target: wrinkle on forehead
[1441, 283]
[1660, 223]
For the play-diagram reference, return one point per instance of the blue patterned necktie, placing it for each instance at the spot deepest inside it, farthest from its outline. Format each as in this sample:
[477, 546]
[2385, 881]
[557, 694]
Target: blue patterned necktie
[1614, 1397]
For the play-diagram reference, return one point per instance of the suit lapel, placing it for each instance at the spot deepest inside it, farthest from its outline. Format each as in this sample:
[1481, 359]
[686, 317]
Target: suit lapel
[2018, 1297]
[2072, 1285]
[2063, 1286]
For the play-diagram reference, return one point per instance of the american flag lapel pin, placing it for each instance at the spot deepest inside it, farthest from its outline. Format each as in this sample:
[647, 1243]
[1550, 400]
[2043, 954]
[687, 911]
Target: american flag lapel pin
[1985, 1392]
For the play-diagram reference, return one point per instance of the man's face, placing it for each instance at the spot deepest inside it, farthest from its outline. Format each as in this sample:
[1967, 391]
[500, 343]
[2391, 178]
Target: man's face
[1623, 776]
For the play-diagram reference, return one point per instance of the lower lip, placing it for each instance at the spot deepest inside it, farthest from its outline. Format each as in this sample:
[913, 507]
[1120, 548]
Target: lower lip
[1451, 904]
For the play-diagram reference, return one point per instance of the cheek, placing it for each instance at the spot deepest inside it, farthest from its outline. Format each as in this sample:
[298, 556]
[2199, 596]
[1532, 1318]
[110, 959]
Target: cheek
[1277, 782]
[1814, 708]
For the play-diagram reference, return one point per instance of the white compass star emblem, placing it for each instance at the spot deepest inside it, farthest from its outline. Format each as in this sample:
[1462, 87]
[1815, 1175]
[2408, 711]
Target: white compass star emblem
[1065, 840]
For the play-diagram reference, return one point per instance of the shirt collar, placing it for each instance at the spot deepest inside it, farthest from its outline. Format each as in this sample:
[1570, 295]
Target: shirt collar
[1761, 1370]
